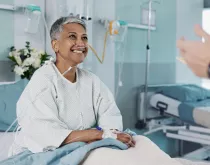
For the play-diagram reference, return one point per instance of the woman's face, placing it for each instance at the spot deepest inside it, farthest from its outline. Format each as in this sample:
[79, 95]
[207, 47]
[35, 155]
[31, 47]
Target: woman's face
[72, 45]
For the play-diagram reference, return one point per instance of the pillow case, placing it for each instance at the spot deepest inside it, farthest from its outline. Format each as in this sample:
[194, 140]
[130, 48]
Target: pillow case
[185, 93]
[9, 95]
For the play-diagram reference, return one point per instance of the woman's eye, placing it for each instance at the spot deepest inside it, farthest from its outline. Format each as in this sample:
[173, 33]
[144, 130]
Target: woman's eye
[72, 37]
[85, 38]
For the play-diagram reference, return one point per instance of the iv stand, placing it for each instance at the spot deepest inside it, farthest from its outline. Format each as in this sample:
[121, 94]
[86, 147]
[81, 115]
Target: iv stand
[142, 124]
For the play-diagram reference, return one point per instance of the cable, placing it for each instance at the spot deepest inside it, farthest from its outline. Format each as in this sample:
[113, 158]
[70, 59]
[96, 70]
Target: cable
[120, 68]
[104, 49]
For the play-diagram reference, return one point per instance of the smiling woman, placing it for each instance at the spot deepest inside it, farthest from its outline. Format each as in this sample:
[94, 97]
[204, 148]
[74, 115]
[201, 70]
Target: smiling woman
[62, 103]
[70, 46]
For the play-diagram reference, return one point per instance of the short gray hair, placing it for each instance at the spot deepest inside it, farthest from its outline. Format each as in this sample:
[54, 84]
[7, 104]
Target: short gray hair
[57, 26]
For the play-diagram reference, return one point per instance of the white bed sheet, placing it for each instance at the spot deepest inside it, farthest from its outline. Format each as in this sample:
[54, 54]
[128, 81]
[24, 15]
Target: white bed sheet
[143, 146]
[6, 141]
[172, 103]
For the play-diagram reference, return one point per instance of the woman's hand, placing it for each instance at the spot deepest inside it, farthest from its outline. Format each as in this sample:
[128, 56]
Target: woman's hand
[86, 136]
[126, 138]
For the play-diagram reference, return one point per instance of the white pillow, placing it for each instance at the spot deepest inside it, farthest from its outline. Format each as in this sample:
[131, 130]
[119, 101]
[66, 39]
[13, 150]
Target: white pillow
[144, 153]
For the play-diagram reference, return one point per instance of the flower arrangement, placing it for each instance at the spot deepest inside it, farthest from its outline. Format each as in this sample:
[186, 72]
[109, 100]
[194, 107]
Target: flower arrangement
[27, 60]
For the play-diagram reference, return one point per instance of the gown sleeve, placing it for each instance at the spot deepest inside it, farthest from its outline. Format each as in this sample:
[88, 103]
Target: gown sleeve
[37, 113]
[108, 116]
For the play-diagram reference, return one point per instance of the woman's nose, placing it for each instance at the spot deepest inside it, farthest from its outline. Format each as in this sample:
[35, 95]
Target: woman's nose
[79, 42]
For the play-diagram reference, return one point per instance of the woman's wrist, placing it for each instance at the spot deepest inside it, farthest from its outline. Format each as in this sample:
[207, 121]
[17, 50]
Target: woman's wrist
[108, 133]
[97, 134]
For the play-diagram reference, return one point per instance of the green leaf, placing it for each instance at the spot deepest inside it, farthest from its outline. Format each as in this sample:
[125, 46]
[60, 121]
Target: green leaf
[13, 59]
[12, 49]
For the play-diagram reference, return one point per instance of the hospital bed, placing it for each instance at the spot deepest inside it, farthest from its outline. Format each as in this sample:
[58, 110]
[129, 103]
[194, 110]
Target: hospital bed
[188, 106]
[5, 143]
[143, 145]
[95, 156]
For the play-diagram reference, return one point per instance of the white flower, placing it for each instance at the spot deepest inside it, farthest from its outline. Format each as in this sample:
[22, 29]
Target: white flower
[33, 50]
[26, 52]
[18, 59]
[16, 53]
[34, 54]
[11, 54]
[18, 70]
[25, 69]
[41, 52]
[37, 63]
[28, 61]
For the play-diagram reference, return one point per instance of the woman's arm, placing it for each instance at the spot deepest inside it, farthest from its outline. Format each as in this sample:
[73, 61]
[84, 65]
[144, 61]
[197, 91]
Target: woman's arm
[92, 135]
[108, 114]
[83, 136]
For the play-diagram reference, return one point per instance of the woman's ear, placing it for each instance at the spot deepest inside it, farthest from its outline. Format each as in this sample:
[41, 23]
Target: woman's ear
[55, 46]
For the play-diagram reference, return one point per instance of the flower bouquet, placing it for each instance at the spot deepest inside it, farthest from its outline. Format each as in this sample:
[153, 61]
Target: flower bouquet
[27, 60]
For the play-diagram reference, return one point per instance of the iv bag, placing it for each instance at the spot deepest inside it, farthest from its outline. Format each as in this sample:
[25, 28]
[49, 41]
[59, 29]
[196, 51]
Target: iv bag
[33, 14]
[121, 28]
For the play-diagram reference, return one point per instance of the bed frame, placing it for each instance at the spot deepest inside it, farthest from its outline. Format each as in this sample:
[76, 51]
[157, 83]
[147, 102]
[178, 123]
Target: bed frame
[156, 120]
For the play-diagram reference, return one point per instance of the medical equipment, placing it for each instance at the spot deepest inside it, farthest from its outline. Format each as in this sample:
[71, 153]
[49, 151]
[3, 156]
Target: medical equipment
[117, 30]
[7, 7]
[181, 59]
[65, 72]
[33, 14]
[120, 42]
[142, 122]
[86, 12]
[83, 11]
[184, 121]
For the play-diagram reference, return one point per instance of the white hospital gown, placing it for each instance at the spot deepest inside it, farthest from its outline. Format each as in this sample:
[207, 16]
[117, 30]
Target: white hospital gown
[51, 107]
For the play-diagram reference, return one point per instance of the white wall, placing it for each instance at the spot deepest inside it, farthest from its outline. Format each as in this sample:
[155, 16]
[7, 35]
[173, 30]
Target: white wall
[106, 71]
[96, 32]
[37, 40]
[189, 13]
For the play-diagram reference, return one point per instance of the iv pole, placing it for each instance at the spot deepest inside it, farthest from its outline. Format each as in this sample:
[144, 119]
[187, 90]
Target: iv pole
[142, 124]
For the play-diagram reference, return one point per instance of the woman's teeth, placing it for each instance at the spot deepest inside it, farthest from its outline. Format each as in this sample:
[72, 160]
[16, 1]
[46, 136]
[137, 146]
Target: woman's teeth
[77, 51]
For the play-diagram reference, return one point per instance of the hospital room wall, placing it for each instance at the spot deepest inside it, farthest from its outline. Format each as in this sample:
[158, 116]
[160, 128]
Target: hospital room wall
[7, 32]
[7, 40]
[12, 34]
[188, 14]
[162, 58]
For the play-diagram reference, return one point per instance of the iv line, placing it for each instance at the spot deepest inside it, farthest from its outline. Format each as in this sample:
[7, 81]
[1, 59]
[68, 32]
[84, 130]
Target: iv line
[104, 49]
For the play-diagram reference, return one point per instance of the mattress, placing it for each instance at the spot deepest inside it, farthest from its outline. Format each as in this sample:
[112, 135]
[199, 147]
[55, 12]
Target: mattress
[188, 162]
[197, 113]
[171, 106]
[6, 141]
